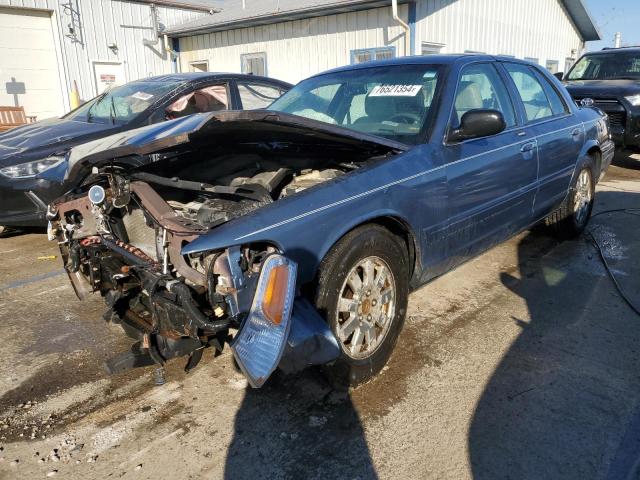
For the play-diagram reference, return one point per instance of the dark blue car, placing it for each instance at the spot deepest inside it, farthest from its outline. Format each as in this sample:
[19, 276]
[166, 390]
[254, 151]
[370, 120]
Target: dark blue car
[32, 157]
[296, 234]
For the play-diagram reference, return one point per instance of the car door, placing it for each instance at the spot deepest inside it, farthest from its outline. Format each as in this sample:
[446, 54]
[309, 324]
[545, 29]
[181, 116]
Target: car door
[558, 133]
[491, 180]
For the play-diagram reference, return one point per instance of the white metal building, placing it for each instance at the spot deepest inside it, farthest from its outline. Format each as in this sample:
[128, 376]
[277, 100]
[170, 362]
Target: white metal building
[47, 45]
[292, 39]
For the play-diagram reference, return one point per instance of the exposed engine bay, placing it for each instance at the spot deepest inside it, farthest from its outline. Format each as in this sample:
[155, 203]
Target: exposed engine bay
[121, 234]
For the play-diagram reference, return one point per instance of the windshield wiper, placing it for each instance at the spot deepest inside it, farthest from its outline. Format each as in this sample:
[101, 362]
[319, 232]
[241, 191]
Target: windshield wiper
[112, 113]
[95, 103]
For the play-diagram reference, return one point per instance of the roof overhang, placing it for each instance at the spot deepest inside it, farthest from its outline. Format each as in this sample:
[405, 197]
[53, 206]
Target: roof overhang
[193, 28]
[582, 20]
[183, 4]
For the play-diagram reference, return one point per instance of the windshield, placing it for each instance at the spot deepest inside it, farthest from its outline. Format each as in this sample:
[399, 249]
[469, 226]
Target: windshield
[122, 104]
[390, 101]
[607, 66]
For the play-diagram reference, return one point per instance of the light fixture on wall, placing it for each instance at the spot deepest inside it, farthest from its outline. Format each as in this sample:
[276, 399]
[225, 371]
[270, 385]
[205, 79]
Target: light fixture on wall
[113, 47]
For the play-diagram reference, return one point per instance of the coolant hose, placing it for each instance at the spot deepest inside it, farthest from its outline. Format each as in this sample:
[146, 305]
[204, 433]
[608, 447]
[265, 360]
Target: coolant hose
[196, 317]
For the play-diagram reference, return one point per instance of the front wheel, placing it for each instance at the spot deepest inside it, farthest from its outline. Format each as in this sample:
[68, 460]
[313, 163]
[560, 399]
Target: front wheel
[570, 220]
[363, 288]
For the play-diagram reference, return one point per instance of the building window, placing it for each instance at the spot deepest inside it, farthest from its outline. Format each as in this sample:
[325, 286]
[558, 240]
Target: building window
[430, 48]
[531, 59]
[199, 66]
[254, 63]
[553, 66]
[369, 54]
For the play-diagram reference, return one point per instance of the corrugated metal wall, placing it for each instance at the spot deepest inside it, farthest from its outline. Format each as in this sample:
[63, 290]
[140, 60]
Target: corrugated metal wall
[538, 29]
[523, 28]
[299, 48]
[100, 22]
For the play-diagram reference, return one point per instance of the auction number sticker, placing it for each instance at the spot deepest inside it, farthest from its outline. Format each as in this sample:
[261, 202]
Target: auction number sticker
[388, 90]
[142, 96]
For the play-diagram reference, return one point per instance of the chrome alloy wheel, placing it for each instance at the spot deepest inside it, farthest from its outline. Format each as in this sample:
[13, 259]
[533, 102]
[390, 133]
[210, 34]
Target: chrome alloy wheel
[366, 307]
[582, 197]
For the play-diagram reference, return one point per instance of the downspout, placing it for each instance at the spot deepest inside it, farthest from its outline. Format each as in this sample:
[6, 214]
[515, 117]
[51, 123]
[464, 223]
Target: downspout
[405, 27]
[154, 20]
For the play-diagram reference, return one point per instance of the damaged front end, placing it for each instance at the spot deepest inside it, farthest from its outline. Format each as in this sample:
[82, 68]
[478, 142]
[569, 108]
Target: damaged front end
[139, 202]
[124, 241]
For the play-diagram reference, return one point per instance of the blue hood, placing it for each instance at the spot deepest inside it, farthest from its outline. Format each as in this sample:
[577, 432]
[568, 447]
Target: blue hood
[41, 139]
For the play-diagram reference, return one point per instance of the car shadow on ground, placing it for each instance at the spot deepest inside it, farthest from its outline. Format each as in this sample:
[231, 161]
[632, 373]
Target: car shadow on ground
[564, 401]
[627, 159]
[9, 232]
[298, 427]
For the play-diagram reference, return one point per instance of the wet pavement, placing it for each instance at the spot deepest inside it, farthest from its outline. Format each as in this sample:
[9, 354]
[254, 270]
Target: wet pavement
[522, 363]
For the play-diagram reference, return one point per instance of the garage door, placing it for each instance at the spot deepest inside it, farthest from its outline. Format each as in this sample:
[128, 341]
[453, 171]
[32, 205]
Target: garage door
[28, 65]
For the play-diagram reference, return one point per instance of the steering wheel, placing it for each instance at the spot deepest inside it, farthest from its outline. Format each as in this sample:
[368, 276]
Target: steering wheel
[409, 118]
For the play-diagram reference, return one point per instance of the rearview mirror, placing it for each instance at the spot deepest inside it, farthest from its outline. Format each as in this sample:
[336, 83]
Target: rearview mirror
[559, 75]
[478, 123]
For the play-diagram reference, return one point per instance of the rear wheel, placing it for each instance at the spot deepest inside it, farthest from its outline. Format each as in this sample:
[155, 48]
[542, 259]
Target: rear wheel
[572, 217]
[362, 291]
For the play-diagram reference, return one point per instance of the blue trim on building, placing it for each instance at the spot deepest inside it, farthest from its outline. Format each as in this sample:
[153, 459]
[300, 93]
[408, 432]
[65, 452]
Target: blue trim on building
[412, 27]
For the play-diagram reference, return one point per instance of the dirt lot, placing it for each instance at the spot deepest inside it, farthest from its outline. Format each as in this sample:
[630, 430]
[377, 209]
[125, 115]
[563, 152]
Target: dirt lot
[521, 364]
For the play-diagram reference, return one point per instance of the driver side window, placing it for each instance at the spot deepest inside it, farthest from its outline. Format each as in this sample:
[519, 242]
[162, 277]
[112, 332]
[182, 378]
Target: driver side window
[480, 87]
[209, 99]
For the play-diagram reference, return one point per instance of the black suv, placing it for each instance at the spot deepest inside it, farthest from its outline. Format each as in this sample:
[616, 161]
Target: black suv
[610, 80]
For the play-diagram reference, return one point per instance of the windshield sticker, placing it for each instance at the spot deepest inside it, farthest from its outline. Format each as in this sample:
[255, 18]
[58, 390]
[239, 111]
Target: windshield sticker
[387, 90]
[142, 96]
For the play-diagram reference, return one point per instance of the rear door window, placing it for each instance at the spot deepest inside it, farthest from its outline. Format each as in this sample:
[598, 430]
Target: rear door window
[255, 96]
[537, 105]
[480, 87]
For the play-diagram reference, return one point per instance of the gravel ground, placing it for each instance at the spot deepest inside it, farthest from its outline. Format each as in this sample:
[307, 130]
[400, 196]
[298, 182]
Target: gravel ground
[522, 364]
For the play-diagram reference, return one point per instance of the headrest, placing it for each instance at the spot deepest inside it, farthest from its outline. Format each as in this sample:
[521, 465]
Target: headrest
[469, 97]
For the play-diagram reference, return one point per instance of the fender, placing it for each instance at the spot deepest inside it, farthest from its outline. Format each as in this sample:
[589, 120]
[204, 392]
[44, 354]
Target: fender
[408, 187]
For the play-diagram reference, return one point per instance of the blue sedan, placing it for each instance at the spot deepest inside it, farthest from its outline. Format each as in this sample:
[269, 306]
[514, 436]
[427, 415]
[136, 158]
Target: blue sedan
[296, 234]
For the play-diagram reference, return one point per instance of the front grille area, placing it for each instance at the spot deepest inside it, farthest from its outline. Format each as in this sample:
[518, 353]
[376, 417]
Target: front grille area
[612, 107]
[616, 119]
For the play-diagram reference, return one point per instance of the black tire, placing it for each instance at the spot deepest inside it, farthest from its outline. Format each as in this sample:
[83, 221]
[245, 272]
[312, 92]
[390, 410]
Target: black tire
[390, 253]
[567, 222]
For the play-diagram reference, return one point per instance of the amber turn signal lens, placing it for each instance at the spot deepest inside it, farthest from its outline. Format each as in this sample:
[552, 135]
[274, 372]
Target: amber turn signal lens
[275, 293]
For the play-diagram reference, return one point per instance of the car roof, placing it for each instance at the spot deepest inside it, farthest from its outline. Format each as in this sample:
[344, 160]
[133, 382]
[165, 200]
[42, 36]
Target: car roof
[203, 76]
[458, 58]
[605, 51]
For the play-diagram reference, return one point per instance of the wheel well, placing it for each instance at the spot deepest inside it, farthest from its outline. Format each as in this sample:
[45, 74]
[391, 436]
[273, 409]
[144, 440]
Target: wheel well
[595, 153]
[399, 228]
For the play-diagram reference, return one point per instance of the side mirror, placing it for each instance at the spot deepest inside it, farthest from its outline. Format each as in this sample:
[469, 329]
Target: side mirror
[559, 75]
[478, 123]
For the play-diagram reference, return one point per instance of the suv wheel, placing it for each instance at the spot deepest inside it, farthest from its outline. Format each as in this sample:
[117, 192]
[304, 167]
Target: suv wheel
[362, 290]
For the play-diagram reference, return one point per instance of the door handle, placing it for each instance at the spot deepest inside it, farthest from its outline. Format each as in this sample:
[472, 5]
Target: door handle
[527, 147]
[575, 132]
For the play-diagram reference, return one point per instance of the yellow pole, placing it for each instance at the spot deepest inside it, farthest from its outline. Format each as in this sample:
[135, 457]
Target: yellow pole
[74, 96]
